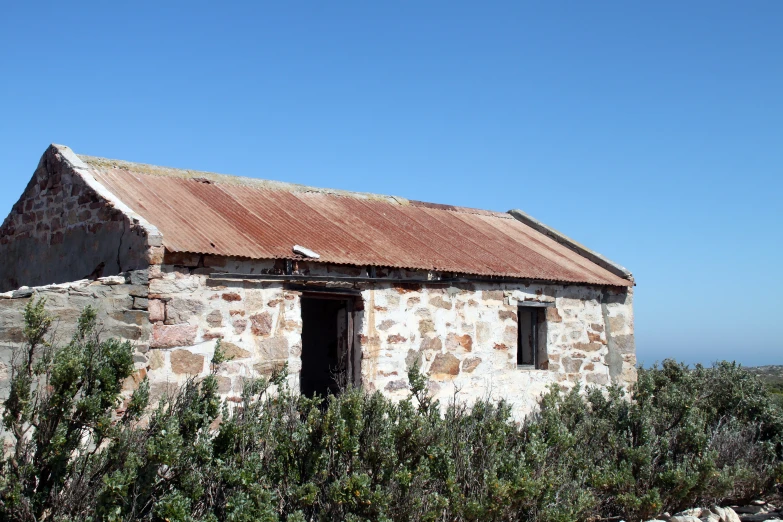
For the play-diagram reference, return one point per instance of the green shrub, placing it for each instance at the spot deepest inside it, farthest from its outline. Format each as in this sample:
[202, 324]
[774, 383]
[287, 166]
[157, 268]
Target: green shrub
[686, 436]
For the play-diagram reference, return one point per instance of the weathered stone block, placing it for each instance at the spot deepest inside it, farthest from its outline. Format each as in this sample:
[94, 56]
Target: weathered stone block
[156, 309]
[272, 348]
[134, 290]
[426, 325]
[624, 343]
[440, 302]
[139, 277]
[137, 317]
[239, 325]
[470, 364]
[267, 367]
[493, 295]
[261, 324]
[180, 310]
[553, 315]
[112, 280]
[595, 337]
[169, 336]
[179, 285]
[571, 365]
[431, 343]
[588, 347]
[445, 363]
[131, 332]
[459, 342]
[155, 271]
[154, 255]
[186, 362]
[156, 360]
[597, 378]
[397, 385]
[12, 334]
[224, 384]
[385, 325]
[616, 324]
[215, 318]
[233, 351]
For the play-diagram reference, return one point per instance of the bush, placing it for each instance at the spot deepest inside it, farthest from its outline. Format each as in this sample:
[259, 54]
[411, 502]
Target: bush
[684, 437]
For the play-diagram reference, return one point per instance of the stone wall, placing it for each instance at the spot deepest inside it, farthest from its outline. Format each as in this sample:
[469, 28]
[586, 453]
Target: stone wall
[62, 230]
[121, 302]
[465, 339]
[259, 325]
[463, 336]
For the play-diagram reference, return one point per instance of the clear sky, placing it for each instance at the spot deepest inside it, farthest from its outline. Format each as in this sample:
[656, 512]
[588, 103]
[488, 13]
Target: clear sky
[652, 132]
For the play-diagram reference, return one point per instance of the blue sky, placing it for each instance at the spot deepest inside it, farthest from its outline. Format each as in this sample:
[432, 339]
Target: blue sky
[652, 132]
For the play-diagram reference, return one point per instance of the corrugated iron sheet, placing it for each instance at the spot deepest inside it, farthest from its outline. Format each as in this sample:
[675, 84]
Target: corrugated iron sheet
[265, 222]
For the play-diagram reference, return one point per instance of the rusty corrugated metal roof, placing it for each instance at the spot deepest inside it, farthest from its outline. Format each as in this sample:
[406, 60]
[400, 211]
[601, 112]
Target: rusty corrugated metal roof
[225, 215]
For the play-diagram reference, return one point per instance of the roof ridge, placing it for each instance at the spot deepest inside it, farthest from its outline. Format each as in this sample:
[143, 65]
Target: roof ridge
[213, 177]
[199, 175]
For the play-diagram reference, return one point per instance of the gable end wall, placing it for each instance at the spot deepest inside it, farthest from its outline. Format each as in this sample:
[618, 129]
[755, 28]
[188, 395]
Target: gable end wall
[62, 230]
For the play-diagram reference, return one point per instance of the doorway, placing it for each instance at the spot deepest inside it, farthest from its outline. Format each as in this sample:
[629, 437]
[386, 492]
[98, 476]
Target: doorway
[329, 361]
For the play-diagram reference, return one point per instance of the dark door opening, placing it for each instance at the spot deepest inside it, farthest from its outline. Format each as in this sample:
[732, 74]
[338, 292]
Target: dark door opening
[329, 361]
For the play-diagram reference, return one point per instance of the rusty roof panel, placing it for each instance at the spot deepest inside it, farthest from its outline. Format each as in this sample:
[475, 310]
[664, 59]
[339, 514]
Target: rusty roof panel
[263, 220]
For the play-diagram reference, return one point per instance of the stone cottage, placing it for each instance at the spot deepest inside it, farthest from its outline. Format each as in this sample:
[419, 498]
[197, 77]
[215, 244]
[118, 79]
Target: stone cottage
[346, 288]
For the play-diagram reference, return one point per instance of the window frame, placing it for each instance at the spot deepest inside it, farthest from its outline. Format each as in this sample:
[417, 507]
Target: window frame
[538, 330]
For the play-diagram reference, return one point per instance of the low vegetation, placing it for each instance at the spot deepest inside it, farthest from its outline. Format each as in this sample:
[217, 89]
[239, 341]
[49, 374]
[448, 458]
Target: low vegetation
[772, 377]
[684, 437]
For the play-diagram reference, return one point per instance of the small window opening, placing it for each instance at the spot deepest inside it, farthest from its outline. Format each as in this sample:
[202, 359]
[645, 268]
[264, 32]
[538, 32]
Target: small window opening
[531, 342]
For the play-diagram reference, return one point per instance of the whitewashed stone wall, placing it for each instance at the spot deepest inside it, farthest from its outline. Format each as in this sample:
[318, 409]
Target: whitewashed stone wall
[464, 337]
[259, 325]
